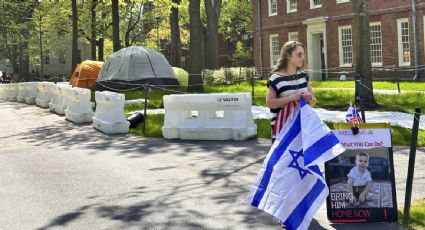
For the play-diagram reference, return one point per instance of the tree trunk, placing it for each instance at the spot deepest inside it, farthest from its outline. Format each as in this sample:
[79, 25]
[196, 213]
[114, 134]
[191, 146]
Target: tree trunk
[115, 26]
[196, 48]
[24, 57]
[93, 29]
[364, 88]
[212, 10]
[74, 36]
[176, 49]
[101, 45]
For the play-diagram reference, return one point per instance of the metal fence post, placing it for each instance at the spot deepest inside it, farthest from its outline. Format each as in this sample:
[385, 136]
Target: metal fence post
[146, 88]
[411, 168]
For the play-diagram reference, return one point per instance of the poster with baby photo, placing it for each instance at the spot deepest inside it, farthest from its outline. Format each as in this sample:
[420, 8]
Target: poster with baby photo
[361, 180]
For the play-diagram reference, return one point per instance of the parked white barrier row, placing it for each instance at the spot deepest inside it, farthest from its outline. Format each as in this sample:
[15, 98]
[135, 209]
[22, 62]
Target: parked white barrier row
[58, 101]
[31, 92]
[109, 116]
[79, 108]
[209, 117]
[43, 96]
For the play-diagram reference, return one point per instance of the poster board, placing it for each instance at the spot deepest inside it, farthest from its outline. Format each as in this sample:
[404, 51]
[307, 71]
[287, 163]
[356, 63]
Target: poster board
[373, 198]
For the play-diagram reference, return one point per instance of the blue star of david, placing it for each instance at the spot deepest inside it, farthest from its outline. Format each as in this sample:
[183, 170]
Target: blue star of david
[294, 163]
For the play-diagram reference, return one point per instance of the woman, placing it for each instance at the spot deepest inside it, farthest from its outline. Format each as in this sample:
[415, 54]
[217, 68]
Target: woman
[287, 84]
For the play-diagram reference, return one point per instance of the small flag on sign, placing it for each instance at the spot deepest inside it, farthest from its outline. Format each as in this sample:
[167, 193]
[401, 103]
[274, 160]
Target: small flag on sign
[352, 115]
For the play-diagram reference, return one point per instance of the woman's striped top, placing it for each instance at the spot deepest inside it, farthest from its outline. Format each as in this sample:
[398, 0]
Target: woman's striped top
[285, 86]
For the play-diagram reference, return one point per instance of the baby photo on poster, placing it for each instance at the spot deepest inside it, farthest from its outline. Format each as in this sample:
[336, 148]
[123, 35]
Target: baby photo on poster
[361, 188]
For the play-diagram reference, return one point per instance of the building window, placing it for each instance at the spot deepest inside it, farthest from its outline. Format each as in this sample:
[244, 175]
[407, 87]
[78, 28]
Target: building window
[272, 7]
[274, 49]
[291, 6]
[293, 36]
[342, 1]
[315, 4]
[403, 42]
[375, 44]
[345, 46]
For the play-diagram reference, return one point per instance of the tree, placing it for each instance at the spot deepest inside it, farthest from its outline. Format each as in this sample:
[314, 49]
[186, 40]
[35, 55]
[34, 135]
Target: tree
[236, 27]
[15, 24]
[115, 26]
[176, 50]
[75, 52]
[133, 14]
[364, 89]
[196, 48]
[212, 10]
[93, 29]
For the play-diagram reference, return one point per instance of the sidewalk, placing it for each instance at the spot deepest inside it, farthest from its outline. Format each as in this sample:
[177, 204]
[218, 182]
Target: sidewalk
[159, 184]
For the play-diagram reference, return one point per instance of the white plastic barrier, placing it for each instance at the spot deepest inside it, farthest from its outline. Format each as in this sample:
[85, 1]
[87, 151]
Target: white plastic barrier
[43, 96]
[209, 117]
[58, 101]
[3, 92]
[79, 108]
[31, 95]
[22, 92]
[12, 91]
[109, 116]
[6, 91]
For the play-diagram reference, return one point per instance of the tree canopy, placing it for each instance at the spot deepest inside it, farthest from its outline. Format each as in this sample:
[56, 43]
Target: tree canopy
[141, 22]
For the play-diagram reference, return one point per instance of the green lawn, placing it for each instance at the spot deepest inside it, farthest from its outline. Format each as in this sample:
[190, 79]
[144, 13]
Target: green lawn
[400, 136]
[417, 215]
[328, 99]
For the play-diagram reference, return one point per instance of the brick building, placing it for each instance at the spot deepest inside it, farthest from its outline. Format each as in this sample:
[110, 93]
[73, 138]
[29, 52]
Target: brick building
[326, 28]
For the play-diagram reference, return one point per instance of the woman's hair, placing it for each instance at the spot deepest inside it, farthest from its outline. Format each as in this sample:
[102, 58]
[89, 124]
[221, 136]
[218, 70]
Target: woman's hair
[287, 49]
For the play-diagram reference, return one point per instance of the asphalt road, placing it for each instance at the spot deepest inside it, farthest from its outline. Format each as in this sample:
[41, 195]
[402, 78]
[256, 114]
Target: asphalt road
[59, 175]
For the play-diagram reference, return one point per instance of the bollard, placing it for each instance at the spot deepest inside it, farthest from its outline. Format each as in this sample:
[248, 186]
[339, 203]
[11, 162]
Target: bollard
[252, 86]
[398, 86]
[146, 105]
[411, 168]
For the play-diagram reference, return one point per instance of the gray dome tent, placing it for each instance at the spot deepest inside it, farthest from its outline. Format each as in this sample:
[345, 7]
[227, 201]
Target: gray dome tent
[133, 66]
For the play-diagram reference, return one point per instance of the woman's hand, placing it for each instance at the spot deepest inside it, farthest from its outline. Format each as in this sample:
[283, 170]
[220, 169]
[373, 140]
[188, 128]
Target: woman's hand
[307, 96]
[295, 97]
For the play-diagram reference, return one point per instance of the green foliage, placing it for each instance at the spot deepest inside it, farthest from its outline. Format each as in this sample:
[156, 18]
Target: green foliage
[14, 21]
[263, 128]
[227, 75]
[242, 55]
[417, 215]
[236, 19]
[182, 75]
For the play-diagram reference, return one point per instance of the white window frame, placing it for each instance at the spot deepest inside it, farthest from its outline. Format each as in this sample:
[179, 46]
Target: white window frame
[272, 61]
[342, 1]
[312, 6]
[288, 4]
[341, 57]
[376, 64]
[292, 34]
[271, 13]
[401, 62]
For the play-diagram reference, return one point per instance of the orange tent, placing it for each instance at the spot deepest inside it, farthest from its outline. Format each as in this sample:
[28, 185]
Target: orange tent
[85, 74]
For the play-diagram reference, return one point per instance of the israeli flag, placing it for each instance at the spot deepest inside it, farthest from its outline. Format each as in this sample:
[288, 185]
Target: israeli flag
[290, 185]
